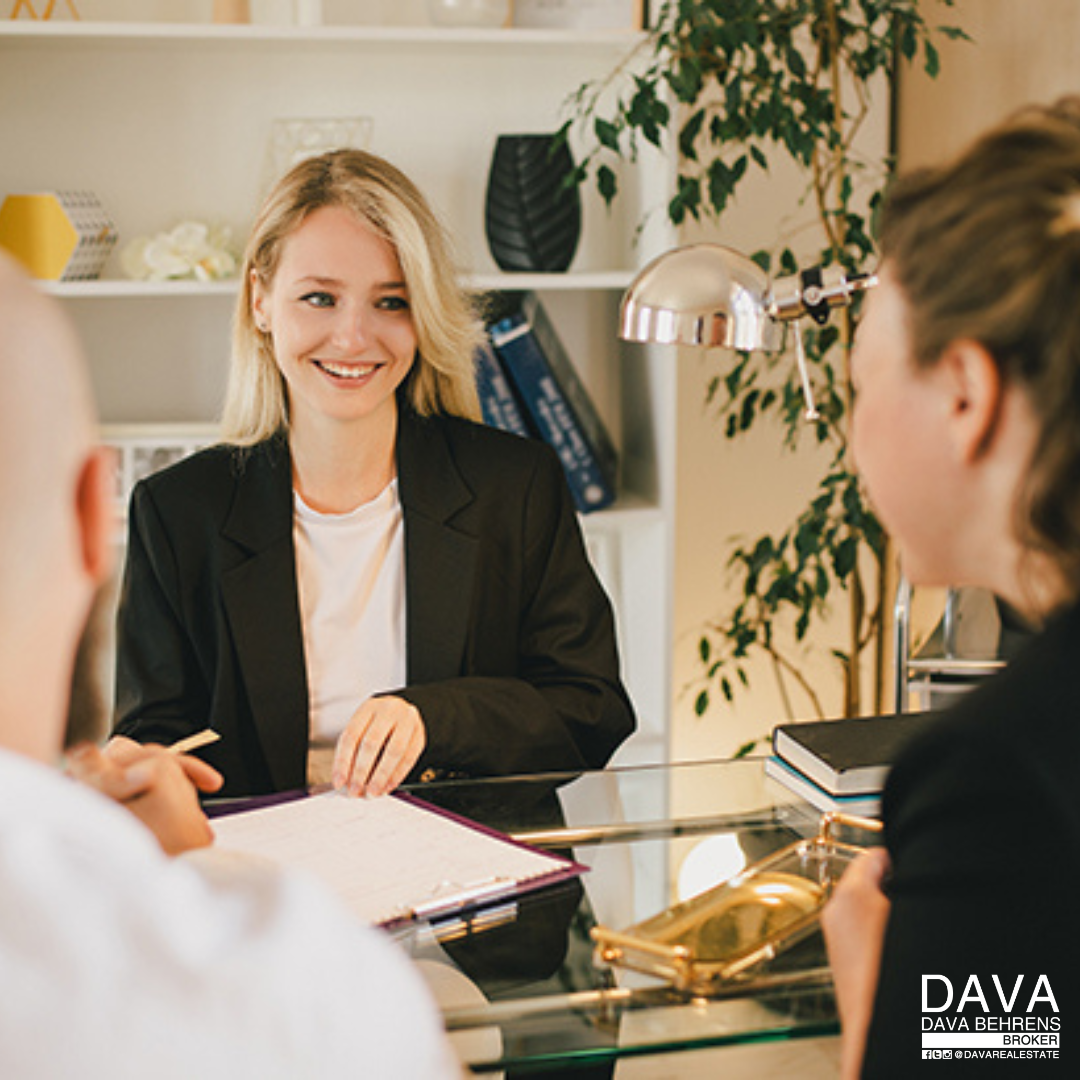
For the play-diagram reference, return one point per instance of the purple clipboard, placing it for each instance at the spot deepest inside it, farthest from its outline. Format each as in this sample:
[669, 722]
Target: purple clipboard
[483, 894]
[225, 807]
[461, 899]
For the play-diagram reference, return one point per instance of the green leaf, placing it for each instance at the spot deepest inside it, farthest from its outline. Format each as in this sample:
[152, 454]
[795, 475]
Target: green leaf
[607, 134]
[606, 183]
[686, 200]
[746, 749]
[908, 42]
[821, 583]
[796, 64]
[685, 79]
[689, 134]
[847, 553]
[933, 60]
[704, 649]
[701, 703]
[749, 409]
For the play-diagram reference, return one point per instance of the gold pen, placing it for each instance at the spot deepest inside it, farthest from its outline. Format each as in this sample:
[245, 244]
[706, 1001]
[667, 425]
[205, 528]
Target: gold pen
[193, 742]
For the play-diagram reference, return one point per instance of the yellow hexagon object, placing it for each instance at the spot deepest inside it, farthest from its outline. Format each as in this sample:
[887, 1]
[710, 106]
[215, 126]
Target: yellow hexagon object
[57, 235]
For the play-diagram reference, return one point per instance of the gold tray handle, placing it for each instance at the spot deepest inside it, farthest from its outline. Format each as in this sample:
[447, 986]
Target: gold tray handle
[835, 817]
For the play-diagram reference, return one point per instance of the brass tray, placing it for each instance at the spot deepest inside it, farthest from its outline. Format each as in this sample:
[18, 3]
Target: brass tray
[727, 931]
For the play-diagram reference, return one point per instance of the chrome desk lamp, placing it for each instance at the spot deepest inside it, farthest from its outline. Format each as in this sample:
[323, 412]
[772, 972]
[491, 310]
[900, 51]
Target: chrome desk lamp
[711, 296]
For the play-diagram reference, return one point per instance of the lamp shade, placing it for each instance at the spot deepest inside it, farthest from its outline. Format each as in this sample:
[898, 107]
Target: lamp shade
[702, 294]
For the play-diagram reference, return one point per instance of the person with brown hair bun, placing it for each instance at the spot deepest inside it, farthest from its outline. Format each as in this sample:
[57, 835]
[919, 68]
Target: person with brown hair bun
[967, 434]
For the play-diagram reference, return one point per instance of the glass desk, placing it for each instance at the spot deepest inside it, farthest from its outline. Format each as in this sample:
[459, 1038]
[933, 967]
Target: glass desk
[517, 984]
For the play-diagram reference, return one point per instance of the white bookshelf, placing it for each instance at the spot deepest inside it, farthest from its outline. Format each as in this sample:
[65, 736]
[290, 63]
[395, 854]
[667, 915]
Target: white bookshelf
[126, 289]
[167, 121]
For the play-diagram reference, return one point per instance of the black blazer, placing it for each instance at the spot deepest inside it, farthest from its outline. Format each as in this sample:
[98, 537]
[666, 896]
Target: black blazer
[982, 823]
[511, 644]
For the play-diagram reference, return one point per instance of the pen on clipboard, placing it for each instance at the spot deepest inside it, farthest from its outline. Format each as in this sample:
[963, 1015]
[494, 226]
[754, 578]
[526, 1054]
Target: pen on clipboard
[193, 742]
[479, 893]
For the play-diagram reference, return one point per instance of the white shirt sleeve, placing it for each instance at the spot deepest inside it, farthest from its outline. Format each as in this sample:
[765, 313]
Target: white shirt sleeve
[122, 963]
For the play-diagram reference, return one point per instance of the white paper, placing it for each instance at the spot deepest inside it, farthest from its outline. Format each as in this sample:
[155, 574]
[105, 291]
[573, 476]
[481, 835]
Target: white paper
[385, 857]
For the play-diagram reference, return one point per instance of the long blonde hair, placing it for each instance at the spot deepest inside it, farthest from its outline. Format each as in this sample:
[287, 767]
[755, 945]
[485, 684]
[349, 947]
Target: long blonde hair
[442, 379]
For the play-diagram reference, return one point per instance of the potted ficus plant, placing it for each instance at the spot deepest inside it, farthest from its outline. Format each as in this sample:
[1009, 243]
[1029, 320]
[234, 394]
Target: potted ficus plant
[727, 87]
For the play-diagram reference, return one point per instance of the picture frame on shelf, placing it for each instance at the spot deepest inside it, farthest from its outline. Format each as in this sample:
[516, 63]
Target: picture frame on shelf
[579, 14]
[142, 449]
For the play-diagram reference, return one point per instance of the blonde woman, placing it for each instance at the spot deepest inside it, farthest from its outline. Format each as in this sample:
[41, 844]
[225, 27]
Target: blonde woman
[363, 585]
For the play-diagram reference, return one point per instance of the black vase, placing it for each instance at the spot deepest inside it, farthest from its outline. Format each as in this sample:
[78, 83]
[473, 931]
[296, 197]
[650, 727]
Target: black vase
[532, 215]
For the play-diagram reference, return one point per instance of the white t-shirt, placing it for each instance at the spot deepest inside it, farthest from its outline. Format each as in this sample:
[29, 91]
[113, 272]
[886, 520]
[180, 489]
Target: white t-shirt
[119, 962]
[351, 578]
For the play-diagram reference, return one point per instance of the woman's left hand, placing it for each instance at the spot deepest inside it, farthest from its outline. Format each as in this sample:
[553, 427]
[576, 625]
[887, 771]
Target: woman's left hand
[378, 748]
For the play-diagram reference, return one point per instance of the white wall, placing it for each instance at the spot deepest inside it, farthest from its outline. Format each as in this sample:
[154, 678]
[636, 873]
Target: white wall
[1022, 52]
[744, 488]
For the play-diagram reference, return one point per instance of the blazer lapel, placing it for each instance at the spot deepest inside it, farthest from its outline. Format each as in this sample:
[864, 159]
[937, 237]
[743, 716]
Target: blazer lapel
[262, 607]
[440, 559]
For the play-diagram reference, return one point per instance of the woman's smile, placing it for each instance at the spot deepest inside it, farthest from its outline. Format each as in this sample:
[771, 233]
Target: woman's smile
[349, 373]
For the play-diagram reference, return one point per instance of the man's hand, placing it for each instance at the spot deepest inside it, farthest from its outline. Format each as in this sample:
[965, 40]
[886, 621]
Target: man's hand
[381, 744]
[158, 787]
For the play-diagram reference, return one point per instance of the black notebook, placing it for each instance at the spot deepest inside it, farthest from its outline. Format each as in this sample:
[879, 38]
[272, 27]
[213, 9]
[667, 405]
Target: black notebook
[848, 757]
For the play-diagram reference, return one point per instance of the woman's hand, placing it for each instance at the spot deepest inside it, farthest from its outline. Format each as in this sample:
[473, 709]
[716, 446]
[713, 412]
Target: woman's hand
[854, 924]
[158, 787]
[381, 744]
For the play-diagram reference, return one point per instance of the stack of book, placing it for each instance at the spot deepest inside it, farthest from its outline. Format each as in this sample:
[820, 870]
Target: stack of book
[528, 385]
[841, 764]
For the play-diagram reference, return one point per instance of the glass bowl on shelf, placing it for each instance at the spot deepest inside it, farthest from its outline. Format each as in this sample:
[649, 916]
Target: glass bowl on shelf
[463, 13]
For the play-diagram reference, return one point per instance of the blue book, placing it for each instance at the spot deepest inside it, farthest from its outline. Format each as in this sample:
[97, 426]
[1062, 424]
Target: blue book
[865, 805]
[557, 403]
[498, 403]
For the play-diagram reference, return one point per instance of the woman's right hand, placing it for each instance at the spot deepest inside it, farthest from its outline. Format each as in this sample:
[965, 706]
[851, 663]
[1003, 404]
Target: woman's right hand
[854, 922]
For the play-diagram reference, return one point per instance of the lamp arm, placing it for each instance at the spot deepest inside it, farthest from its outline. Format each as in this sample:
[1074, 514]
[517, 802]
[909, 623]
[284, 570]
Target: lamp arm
[815, 292]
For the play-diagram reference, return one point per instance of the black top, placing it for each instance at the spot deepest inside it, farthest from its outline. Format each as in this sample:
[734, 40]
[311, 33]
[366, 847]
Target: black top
[982, 822]
[511, 645]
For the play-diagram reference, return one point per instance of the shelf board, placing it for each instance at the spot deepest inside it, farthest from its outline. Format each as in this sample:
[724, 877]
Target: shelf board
[119, 289]
[627, 510]
[85, 33]
[597, 280]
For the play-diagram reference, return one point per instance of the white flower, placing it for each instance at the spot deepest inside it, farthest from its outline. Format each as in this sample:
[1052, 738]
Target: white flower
[192, 250]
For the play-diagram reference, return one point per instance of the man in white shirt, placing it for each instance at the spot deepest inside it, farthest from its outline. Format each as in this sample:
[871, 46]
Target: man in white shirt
[118, 961]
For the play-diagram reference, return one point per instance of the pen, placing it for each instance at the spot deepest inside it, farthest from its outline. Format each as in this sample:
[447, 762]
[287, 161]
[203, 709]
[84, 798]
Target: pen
[193, 742]
[473, 895]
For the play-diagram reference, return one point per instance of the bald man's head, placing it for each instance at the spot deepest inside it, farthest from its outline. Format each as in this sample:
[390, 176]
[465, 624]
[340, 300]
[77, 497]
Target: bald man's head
[54, 532]
[46, 423]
